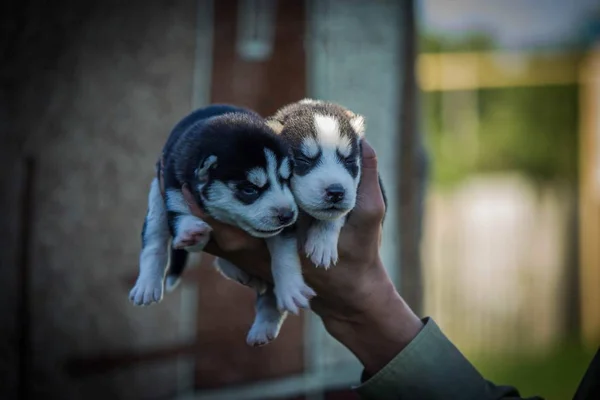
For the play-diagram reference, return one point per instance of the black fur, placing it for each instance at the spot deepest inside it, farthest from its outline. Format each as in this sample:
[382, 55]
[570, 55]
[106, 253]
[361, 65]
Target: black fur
[144, 227]
[236, 136]
[177, 261]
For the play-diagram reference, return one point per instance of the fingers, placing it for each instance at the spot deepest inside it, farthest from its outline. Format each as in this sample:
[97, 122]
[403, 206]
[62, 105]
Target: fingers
[370, 207]
[369, 158]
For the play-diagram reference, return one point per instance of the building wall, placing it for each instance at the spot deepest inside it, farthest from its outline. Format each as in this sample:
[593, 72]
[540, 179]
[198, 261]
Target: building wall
[95, 123]
[354, 55]
[264, 85]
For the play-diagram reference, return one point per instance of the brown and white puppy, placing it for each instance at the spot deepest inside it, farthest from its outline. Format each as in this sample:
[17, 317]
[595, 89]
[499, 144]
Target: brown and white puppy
[326, 144]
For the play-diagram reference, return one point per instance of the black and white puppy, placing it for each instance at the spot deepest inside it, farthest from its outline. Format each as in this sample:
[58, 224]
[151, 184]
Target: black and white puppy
[239, 172]
[326, 144]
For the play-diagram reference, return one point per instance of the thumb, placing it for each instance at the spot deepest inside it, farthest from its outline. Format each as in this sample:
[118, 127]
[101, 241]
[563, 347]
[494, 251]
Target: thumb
[369, 158]
[370, 206]
[191, 202]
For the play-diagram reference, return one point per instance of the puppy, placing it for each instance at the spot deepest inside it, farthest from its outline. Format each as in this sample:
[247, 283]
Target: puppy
[238, 170]
[326, 145]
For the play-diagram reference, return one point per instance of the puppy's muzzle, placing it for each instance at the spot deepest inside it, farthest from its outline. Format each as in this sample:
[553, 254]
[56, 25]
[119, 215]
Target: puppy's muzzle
[285, 216]
[334, 193]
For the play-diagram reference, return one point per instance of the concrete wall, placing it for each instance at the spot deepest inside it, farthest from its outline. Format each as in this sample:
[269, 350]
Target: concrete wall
[355, 48]
[95, 120]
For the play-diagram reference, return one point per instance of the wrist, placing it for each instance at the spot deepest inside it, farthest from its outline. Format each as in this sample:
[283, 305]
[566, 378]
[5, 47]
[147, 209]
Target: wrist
[382, 328]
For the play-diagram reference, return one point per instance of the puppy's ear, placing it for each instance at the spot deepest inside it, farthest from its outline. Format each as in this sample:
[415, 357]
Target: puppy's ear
[357, 122]
[205, 166]
[275, 124]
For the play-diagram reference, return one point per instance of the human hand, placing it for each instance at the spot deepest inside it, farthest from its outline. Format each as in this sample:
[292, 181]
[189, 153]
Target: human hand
[355, 297]
[341, 290]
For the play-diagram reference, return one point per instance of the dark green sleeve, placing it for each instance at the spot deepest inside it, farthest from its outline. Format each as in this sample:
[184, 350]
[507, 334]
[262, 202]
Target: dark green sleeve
[432, 368]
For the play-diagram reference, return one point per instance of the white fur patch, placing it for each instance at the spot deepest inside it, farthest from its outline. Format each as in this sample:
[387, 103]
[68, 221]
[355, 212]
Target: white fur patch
[257, 176]
[154, 256]
[310, 189]
[309, 147]
[358, 123]
[271, 166]
[176, 202]
[290, 289]
[329, 135]
[309, 101]
[345, 147]
[328, 130]
[284, 169]
[322, 241]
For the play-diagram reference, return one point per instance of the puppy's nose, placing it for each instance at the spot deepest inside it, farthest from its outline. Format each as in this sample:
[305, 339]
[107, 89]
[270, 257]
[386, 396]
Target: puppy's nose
[285, 215]
[335, 193]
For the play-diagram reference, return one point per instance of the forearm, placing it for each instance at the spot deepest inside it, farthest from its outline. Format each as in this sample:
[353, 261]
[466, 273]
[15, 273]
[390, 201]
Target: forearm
[404, 357]
[379, 333]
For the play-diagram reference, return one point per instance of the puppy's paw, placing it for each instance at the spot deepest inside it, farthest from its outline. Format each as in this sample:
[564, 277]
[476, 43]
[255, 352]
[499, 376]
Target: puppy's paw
[268, 320]
[293, 294]
[321, 248]
[192, 232]
[263, 332]
[148, 289]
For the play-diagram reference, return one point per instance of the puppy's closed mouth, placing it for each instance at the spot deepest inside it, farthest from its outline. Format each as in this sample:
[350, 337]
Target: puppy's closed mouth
[334, 208]
[273, 231]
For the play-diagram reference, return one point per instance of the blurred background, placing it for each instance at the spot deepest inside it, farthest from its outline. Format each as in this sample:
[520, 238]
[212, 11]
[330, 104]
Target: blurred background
[484, 115]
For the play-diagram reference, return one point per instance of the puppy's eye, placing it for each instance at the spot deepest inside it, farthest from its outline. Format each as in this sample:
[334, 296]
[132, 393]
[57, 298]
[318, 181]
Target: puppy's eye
[248, 189]
[304, 160]
[350, 161]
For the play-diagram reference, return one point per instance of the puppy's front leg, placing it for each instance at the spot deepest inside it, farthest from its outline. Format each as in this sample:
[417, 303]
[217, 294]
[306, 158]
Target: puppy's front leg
[290, 289]
[188, 231]
[322, 241]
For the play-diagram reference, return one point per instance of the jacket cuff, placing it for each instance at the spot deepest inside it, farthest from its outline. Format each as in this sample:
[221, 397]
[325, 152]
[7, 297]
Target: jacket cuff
[429, 368]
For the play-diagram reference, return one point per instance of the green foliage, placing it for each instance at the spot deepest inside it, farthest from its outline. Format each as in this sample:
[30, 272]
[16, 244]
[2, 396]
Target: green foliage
[530, 130]
[554, 375]
[533, 130]
[468, 41]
